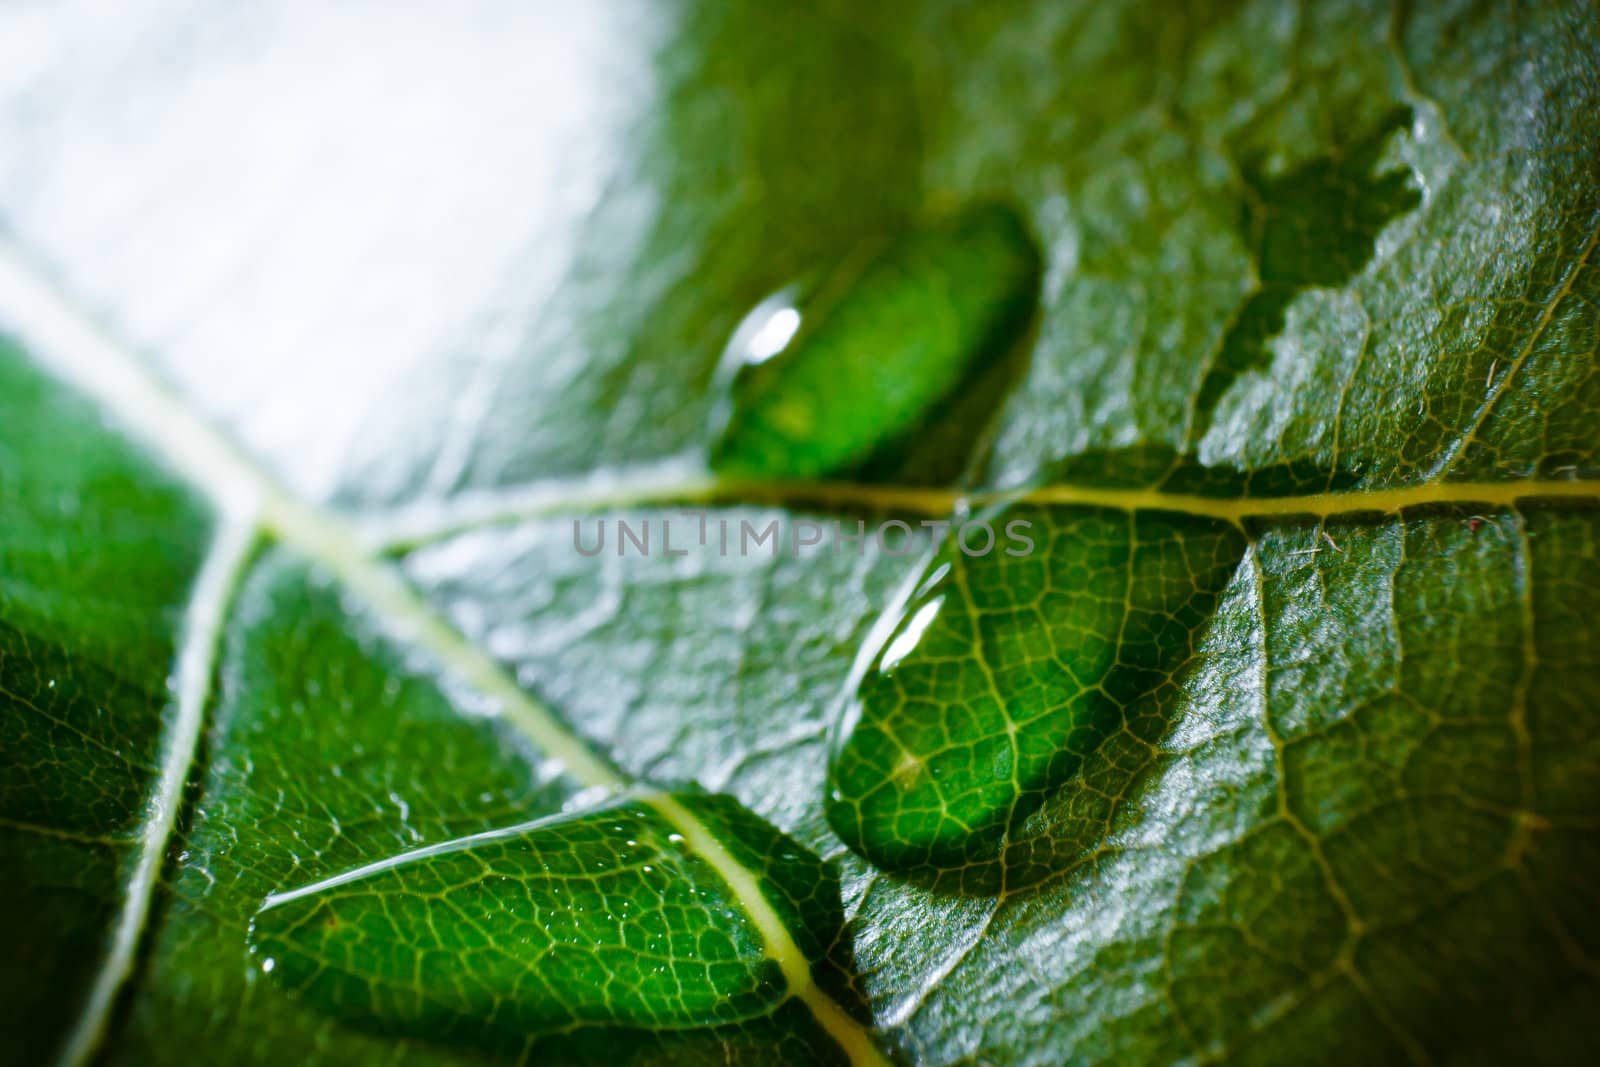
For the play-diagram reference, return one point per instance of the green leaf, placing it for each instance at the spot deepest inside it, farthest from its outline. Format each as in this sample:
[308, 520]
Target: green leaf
[87, 641]
[320, 352]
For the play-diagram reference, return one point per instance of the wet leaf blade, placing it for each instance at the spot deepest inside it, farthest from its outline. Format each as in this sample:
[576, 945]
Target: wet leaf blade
[1392, 721]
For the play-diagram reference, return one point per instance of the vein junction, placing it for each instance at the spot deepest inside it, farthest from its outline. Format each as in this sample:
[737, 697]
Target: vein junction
[74, 348]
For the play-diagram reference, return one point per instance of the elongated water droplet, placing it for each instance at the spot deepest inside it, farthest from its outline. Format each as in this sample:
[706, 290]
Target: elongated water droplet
[818, 382]
[1006, 671]
[601, 920]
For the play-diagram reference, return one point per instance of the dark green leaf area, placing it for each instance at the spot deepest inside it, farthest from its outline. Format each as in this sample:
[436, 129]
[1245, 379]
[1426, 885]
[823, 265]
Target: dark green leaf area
[1317, 225]
[884, 341]
[1165, 469]
[604, 919]
[1007, 671]
[87, 636]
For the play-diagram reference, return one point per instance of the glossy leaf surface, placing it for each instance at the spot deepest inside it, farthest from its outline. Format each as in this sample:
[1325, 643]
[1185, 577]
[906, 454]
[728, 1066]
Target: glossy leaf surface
[1319, 286]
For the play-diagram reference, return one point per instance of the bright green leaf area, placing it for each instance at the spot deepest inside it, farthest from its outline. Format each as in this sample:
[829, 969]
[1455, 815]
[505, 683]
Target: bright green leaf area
[1210, 776]
[602, 917]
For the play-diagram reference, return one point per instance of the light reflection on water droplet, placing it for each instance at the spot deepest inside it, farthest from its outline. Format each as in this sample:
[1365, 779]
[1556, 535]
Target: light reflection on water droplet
[774, 335]
[906, 640]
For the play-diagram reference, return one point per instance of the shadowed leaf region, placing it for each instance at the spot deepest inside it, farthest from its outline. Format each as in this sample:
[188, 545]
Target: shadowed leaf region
[569, 927]
[1316, 226]
[819, 384]
[87, 637]
[1007, 671]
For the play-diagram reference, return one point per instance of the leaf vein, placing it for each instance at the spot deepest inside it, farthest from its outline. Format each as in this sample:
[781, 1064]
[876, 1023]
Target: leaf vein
[206, 614]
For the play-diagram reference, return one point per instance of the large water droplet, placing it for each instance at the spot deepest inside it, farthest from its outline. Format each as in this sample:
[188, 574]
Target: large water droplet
[818, 381]
[604, 920]
[1007, 670]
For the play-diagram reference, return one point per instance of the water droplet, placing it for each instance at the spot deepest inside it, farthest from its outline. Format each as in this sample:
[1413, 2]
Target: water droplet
[386, 947]
[817, 381]
[1005, 672]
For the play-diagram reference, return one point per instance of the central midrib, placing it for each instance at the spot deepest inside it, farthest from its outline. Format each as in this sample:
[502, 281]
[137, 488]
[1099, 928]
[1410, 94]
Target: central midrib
[684, 483]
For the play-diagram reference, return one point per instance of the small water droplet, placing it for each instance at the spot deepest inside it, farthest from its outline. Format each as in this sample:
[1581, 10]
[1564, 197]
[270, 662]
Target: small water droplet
[816, 381]
[568, 922]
